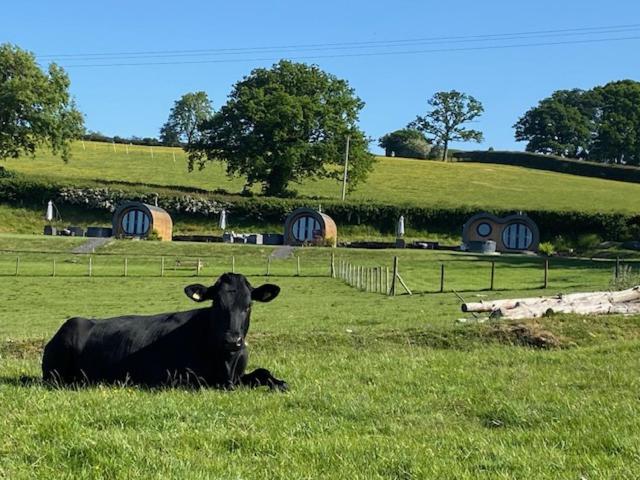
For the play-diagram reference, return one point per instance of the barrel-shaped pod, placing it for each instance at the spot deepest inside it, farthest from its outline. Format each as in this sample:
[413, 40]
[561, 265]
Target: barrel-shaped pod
[305, 226]
[140, 220]
[513, 233]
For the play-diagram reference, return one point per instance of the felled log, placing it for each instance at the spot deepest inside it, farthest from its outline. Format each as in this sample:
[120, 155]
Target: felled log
[625, 301]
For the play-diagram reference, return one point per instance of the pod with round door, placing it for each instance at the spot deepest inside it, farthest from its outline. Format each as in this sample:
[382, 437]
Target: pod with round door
[140, 220]
[305, 226]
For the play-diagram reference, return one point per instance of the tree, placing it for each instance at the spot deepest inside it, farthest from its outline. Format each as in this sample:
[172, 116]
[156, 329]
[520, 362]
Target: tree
[616, 136]
[35, 107]
[407, 142]
[187, 113]
[284, 124]
[449, 112]
[601, 124]
[559, 125]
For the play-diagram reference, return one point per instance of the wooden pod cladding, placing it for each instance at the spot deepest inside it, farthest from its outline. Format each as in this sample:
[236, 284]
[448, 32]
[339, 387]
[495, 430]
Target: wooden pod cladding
[305, 226]
[140, 220]
[513, 233]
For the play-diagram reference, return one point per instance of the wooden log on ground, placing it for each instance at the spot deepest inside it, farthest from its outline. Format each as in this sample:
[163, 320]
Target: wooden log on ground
[629, 295]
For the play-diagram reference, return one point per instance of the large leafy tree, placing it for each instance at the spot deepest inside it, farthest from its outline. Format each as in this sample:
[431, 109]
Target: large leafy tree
[186, 114]
[616, 137]
[446, 119]
[35, 106]
[406, 142]
[601, 124]
[559, 125]
[284, 124]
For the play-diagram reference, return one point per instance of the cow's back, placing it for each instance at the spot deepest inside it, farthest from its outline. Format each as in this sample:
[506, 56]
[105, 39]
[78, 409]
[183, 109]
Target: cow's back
[146, 349]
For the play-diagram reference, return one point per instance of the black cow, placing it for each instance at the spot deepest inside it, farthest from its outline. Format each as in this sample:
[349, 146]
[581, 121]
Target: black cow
[200, 347]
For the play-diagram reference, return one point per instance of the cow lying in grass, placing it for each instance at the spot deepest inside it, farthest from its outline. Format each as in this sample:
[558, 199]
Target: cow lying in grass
[198, 347]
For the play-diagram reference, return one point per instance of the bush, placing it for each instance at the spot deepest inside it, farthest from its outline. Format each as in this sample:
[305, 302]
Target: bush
[547, 249]
[408, 143]
[588, 241]
[563, 245]
[554, 164]
[154, 235]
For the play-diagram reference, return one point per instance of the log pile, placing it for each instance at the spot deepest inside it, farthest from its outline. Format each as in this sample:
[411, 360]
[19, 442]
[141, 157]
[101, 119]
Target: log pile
[593, 303]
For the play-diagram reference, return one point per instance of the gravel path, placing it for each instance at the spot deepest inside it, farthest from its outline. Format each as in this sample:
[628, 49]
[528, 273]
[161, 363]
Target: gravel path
[91, 244]
[283, 252]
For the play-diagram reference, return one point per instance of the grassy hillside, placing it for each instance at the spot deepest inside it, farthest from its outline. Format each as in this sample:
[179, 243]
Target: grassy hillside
[393, 180]
[380, 387]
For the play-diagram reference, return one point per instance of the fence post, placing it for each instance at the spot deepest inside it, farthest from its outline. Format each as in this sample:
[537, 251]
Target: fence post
[332, 270]
[374, 279]
[162, 266]
[90, 266]
[394, 278]
[387, 290]
[233, 264]
[546, 273]
[365, 279]
[298, 265]
[617, 270]
[268, 265]
[126, 266]
[367, 287]
[442, 278]
[17, 265]
[53, 273]
[493, 274]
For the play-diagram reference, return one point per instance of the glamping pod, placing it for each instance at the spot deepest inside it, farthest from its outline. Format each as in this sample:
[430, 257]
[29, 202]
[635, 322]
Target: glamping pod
[305, 226]
[139, 220]
[514, 233]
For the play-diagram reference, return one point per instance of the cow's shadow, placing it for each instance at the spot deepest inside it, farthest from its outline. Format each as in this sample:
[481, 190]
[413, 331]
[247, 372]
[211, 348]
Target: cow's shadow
[22, 381]
[32, 381]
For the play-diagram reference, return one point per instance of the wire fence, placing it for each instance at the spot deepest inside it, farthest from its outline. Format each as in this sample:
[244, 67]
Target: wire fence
[379, 274]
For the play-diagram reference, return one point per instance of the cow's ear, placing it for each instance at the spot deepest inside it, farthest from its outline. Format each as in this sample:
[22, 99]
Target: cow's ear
[197, 292]
[265, 293]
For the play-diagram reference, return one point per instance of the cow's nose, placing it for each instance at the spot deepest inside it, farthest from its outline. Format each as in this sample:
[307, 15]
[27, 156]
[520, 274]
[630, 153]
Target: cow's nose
[239, 342]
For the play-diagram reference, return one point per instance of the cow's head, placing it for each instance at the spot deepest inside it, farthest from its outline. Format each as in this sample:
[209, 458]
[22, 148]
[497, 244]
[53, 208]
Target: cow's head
[232, 295]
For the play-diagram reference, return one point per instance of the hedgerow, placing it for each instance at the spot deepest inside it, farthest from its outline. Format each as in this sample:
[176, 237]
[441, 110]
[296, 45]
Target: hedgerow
[23, 190]
[553, 163]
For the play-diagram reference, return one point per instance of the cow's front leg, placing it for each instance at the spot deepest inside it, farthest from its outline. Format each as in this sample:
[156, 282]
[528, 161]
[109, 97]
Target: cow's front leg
[234, 369]
[262, 376]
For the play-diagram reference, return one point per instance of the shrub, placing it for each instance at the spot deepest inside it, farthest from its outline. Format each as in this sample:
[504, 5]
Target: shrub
[562, 244]
[154, 235]
[588, 241]
[547, 249]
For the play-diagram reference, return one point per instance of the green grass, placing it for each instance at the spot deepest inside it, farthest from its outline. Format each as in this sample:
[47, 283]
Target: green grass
[380, 387]
[394, 180]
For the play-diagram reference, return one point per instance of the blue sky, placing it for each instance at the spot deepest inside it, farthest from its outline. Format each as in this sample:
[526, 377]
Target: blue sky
[135, 100]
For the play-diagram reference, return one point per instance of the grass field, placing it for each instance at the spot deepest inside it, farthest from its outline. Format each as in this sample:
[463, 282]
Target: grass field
[380, 387]
[393, 180]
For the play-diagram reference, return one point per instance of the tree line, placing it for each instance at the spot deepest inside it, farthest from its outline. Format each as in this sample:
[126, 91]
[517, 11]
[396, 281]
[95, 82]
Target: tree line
[601, 124]
[293, 121]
